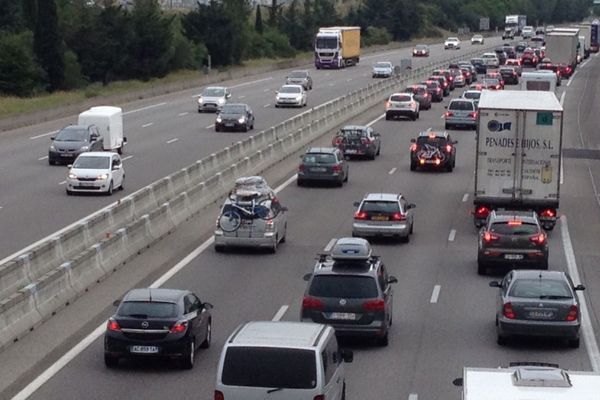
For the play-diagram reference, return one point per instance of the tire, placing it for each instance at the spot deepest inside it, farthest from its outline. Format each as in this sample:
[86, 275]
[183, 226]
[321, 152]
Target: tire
[69, 193]
[245, 128]
[233, 221]
[219, 249]
[481, 268]
[300, 182]
[187, 360]
[109, 192]
[413, 117]
[573, 343]
[418, 115]
[384, 340]
[283, 239]
[120, 150]
[344, 391]
[273, 248]
[110, 361]
[50, 162]
[405, 239]
[412, 228]
[449, 168]
[339, 183]
[206, 343]
[346, 177]
[276, 105]
[446, 126]
[387, 117]
[122, 187]
[501, 340]
[217, 129]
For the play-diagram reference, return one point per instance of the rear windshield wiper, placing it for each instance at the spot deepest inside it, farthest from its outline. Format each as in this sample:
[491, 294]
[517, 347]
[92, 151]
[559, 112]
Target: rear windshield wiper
[274, 390]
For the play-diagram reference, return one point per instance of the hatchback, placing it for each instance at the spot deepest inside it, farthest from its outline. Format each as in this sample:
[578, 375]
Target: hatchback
[435, 90]
[490, 60]
[473, 95]
[383, 69]
[166, 323]
[235, 117]
[300, 77]
[420, 94]
[479, 64]
[516, 64]
[509, 75]
[96, 172]
[350, 290]
[512, 239]
[383, 215]
[461, 112]
[73, 140]
[539, 304]
[323, 164]
[291, 96]
[444, 85]
[358, 141]
[446, 74]
[213, 98]
[433, 149]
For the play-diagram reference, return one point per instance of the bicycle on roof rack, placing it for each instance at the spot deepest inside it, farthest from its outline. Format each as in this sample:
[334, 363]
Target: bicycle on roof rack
[231, 219]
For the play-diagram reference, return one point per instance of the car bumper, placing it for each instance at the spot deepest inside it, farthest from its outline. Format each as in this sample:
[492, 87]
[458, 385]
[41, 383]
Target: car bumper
[122, 347]
[234, 126]
[209, 107]
[498, 258]
[361, 152]
[362, 229]
[461, 122]
[334, 178]
[74, 185]
[288, 103]
[400, 113]
[59, 157]
[381, 74]
[376, 328]
[230, 240]
[560, 329]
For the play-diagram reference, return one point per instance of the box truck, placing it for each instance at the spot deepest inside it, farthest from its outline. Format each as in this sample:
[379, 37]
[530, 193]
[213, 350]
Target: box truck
[518, 154]
[337, 47]
[109, 121]
[585, 30]
[516, 22]
[561, 49]
[530, 381]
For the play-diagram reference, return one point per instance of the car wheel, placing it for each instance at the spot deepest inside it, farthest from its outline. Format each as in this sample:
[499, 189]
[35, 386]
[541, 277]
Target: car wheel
[51, 162]
[219, 249]
[187, 360]
[573, 343]
[501, 340]
[413, 117]
[346, 177]
[418, 114]
[481, 268]
[412, 228]
[449, 168]
[245, 128]
[378, 150]
[206, 343]
[387, 117]
[122, 187]
[446, 126]
[339, 183]
[217, 129]
[384, 340]
[405, 239]
[299, 182]
[283, 239]
[344, 391]
[69, 192]
[109, 192]
[413, 166]
[110, 361]
[273, 248]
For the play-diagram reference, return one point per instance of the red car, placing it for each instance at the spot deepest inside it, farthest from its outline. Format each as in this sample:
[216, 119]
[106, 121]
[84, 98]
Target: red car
[495, 75]
[529, 58]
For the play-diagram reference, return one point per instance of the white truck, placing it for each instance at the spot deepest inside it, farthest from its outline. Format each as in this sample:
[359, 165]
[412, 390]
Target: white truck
[545, 80]
[515, 22]
[528, 381]
[561, 49]
[337, 47]
[585, 30]
[109, 121]
[518, 154]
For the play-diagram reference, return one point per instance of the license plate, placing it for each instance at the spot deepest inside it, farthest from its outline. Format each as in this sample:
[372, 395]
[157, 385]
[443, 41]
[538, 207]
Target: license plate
[318, 169]
[380, 218]
[230, 124]
[86, 184]
[344, 316]
[541, 314]
[144, 349]
[513, 256]
[66, 155]
[350, 151]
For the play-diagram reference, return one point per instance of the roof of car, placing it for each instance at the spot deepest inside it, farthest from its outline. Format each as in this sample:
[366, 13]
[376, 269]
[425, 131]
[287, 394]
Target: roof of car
[381, 196]
[536, 274]
[151, 294]
[511, 215]
[104, 154]
[429, 133]
[215, 87]
[322, 150]
[354, 128]
[292, 85]
[278, 334]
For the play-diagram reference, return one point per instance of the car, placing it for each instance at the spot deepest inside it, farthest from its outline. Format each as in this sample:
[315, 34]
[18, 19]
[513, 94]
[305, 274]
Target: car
[520, 47]
[323, 164]
[384, 215]
[509, 75]
[537, 41]
[490, 60]
[433, 149]
[452, 43]
[549, 66]
[95, 172]
[444, 85]
[358, 141]
[512, 239]
[435, 90]
[459, 79]
[421, 50]
[509, 50]
[479, 64]
[491, 84]
[527, 32]
[539, 304]
[235, 116]
[502, 56]
[472, 94]
[469, 74]
[421, 94]
[155, 322]
[300, 77]
[213, 98]
[508, 33]
[251, 216]
[495, 75]
[516, 64]
[446, 73]
[383, 69]
[291, 96]
[477, 39]
[73, 140]
[529, 58]
[350, 289]
[402, 105]
[460, 112]
[549, 28]
[540, 30]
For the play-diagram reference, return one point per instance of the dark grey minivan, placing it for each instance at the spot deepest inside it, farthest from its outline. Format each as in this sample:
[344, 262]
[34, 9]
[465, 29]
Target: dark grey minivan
[73, 140]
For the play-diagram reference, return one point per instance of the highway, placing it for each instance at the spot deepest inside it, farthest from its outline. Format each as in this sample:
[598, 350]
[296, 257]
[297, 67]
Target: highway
[443, 311]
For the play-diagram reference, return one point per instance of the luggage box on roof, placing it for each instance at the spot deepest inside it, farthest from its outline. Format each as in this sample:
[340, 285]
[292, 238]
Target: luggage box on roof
[351, 249]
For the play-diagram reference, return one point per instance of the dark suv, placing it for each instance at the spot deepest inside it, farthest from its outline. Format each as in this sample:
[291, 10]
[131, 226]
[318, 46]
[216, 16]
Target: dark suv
[433, 149]
[512, 239]
[350, 290]
[323, 164]
[421, 94]
[73, 140]
[166, 323]
[355, 140]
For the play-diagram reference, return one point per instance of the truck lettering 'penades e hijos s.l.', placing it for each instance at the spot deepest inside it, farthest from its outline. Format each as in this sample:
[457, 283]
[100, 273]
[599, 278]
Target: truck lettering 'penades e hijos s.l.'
[518, 159]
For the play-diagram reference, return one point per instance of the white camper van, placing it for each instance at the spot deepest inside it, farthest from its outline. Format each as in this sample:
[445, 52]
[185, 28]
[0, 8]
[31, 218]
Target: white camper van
[109, 121]
[543, 80]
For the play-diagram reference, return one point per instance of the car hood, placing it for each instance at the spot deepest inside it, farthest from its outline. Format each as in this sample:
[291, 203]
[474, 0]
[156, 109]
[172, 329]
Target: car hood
[211, 98]
[379, 69]
[62, 144]
[289, 95]
[88, 173]
[297, 80]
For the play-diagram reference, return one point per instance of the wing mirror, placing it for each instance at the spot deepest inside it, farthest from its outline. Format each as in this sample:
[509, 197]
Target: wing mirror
[410, 206]
[413, 140]
[307, 277]
[52, 137]
[207, 306]
[347, 355]
[116, 302]
[455, 142]
[356, 203]
[70, 166]
[495, 284]
[579, 287]
[458, 382]
[392, 279]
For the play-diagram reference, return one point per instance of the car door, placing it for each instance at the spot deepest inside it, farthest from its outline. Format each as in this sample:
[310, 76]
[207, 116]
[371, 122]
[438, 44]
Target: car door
[387, 290]
[333, 381]
[404, 209]
[503, 293]
[191, 311]
[117, 171]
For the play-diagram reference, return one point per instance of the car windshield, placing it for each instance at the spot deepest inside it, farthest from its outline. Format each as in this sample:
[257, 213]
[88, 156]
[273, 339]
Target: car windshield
[352, 133]
[514, 228]
[400, 97]
[506, 70]
[343, 286]
[298, 74]
[472, 95]
[421, 47]
[452, 39]
[461, 106]
[477, 37]
[316, 158]
[147, 309]
[380, 206]
[269, 367]
[540, 289]
[72, 134]
[290, 89]
[383, 65]
[91, 162]
[233, 109]
[213, 92]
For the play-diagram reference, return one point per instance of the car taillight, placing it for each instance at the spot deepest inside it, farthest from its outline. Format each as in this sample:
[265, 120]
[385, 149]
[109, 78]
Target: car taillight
[508, 311]
[548, 213]
[374, 305]
[113, 325]
[445, 84]
[448, 148]
[219, 395]
[179, 327]
[451, 78]
[473, 115]
[573, 314]
[312, 303]
[449, 114]
[398, 217]
[482, 212]
[568, 69]
[438, 90]
[337, 140]
[360, 215]
[498, 87]
[413, 147]
[387, 105]
[301, 168]
[269, 225]
[319, 397]
[489, 237]
[337, 168]
[538, 239]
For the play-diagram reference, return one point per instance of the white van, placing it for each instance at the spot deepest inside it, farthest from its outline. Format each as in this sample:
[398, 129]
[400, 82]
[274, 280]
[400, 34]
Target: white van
[109, 121]
[542, 80]
[282, 360]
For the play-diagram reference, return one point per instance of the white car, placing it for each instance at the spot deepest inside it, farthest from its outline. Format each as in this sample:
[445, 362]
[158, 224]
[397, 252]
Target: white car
[213, 98]
[490, 60]
[452, 43]
[290, 95]
[472, 95]
[96, 172]
[527, 32]
[477, 39]
[383, 69]
[402, 105]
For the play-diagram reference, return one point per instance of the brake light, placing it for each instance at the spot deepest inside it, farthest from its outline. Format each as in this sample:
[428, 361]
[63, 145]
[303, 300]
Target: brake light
[413, 147]
[360, 215]
[451, 78]
[508, 311]
[301, 168]
[438, 90]
[473, 115]
[113, 325]
[398, 217]
[448, 148]
[548, 213]
[449, 114]
[498, 87]
[445, 84]
[269, 226]
[337, 168]
[337, 140]
[482, 212]
[421, 161]
[312, 303]
[573, 314]
[515, 222]
[374, 305]
[490, 237]
[219, 395]
[568, 69]
[319, 397]
[538, 239]
[179, 327]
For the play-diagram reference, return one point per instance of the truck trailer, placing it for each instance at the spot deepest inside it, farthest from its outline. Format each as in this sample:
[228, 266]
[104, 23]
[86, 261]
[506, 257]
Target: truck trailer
[585, 30]
[518, 154]
[516, 22]
[561, 49]
[337, 47]
[109, 121]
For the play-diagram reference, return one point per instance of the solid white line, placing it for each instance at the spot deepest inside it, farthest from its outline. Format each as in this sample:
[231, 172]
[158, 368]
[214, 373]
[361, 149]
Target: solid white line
[571, 78]
[42, 135]
[210, 126]
[144, 108]
[182, 114]
[250, 83]
[562, 98]
[413, 396]
[348, 80]
[594, 187]
[42, 158]
[172, 140]
[562, 169]
[392, 170]
[376, 119]
[452, 235]
[286, 183]
[266, 105]
[587, 331]
[241, 97]
[435, 294]
[329, 245]
[62, 183]
[126, 158]
[280, 313]
[465, 197]
[148, 124]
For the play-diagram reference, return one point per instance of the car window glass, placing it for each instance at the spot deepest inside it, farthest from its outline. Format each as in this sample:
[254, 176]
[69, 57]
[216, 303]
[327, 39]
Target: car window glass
[298, 74]
[343, 286]
[461, 106]
[326, 367]
[72, 135]
[400, 98]
[290, 89]
[213, 92]
[352, 133]
[233, 109]
[187, 305]
[147, 309]
[90, 162]
[536, 288]
[319, 159]
[380, 206]
[505, 228]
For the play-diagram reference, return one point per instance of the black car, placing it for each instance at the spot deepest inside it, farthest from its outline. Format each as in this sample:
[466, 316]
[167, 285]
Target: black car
[510, 51]
[443, 83]
[358, 141]
[509, 75]
[502, 57]
[323, 164]
[479, 65]
[165, 323]
[520, 47]
[512, 239]
[350, 290]
[421, 94]
[73, 140]
[235, 116]
[435, 90]
[433, 149]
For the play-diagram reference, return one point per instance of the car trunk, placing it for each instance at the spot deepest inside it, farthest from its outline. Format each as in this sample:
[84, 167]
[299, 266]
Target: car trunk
[380, 213]
[540, 309]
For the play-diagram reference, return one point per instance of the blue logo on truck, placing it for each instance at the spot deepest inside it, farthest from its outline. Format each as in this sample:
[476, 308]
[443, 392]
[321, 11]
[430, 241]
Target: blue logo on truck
[496, 126]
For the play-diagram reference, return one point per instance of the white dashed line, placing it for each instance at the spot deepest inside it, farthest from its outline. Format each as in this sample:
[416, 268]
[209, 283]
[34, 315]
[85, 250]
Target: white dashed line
[413, 396]
[452, 235]
[62, 183]
[562, 98]
[250, 83]
[392, 170]
[126, 158]
[376, 119]
[148, 124]
[42, 158]
[172, 140]
[266, 105]
[210, 126]
[562, 169]
[182, 114]
[348, 80]
[329, 245]
[241, 97]
[42, 135]
[144, 108]
[266, 90]
[465, 197]
[1, 207]
[280, 313]
[435, 294]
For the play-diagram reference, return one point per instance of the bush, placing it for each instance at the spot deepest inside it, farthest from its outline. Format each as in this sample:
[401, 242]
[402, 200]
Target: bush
[376, 36]
[280, 43]
[19, 73]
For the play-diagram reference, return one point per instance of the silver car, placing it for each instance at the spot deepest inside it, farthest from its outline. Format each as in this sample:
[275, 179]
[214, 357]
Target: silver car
[461, 112]
[213, 98]
[383, 215]
[383, 69]
[300, 77]
[290, 96]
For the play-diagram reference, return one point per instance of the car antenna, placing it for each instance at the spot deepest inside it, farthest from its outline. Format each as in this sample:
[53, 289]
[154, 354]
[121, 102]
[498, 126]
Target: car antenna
[150, 294]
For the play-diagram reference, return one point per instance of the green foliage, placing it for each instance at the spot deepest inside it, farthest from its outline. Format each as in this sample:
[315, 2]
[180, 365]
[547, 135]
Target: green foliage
[74, 79]
[258, 23]
[11, 16]
[19, 74]
[279, 43]
[375, 35]
[48, 44]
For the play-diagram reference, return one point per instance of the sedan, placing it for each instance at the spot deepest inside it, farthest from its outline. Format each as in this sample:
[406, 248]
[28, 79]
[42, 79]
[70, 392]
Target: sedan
[290, 96]
[383, 69]
[477, 39]
[95, 172]
[421, 50]
[323, 164]
[479, 64]
[452, 43]
[490, 60]
[509, 75]
[235, 116]
[538, 304]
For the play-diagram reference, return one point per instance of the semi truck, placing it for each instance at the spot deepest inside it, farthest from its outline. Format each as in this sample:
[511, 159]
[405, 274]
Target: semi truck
[516, 23]
[337, 47]
[518, 154]
[561, 49]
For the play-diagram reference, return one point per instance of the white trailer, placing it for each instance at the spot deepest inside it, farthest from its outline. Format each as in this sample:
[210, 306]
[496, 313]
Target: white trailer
[544, 80]
[109, 121]
[518, 155]
[585, 30]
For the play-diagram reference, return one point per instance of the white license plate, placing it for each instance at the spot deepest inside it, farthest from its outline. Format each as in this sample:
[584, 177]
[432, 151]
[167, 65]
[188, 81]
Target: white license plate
[345, 316]
[513, 256]
[66, 155]
[144, 349]
[318, 169]
[229, 124]
[86, 184]
[541, 314]
[350, 151]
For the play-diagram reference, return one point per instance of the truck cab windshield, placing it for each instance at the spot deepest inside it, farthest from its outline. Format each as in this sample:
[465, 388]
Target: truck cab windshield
[327, 43]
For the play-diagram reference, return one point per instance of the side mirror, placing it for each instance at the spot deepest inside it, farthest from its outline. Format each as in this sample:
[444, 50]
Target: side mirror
[116, 302]
[70, 166]
[410, 206]
[579, 287]
[356, 203]
[347, 355]
[116, 167]
[455, 142]
[52, 137]
[207, 306]
[376, 134]
[392, 279]
[413, 140]
[277, 92]
[306, 277]
[228, 95]
[284, 209]
[458, 382]
[495, 284]
[446, 107]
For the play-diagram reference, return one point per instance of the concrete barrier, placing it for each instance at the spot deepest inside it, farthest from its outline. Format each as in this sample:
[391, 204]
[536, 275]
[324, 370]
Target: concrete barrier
[13, 276]
[18, 315]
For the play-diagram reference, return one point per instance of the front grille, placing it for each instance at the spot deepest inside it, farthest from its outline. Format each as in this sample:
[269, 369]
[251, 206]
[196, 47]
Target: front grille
[86, 179]
[145, 336]
[86, 187]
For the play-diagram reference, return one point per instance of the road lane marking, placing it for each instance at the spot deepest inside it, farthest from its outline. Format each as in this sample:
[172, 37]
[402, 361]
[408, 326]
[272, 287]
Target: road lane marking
[329, 245]
[413, 396]
[392, 170]
[280, 313]
[452, 235]
[465, 197]
[250, 83]
[266, 105]
[62, 183]
[126, 158]
[172, 140]
[594, 187]
[331, 84]
[241, 97]
[435, 294]
[148, 124]
[210, 126]
[42, 135]
[562, 169]
[42, 158]
[571, 79]
[144, 108]
[182, 114]
[348, 80]
[562, 98]
[587, 330]
[376, 119]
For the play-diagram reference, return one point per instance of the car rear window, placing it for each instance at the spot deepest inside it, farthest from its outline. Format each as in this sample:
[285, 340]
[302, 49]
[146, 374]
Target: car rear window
[380, 206]
[513, 228]
[269, 367]
[319, 158]
[343, 286]
[434, 141]
[540, 289]
[472, 95]
[352, 133]
[538, 85]
[298, 74]
[400, 98]
[147, 309]
[461, 106]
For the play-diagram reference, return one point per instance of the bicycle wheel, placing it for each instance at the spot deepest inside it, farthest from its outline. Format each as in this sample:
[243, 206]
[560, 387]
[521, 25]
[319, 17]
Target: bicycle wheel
[230, 221]
[263, 211]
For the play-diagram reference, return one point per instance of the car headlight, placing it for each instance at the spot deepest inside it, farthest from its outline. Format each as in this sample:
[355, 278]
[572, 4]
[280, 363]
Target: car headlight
[276, 97]
[241, 120]
[84, 148]
[102, 177]
[72, 175]
[221, 101]
[200, 100]
[219, 119]
[52, 148]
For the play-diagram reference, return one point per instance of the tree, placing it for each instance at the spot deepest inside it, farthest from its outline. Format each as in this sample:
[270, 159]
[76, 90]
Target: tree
[11, 16]
[48, 44]
[308, 27]
[291, 25]
[19, 74]
[258, 24]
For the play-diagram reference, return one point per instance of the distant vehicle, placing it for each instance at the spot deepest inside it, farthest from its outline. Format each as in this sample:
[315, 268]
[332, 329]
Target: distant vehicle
[495, 75]
[433, 149]
[402, 105]
[477, 39]
[235, 116]
[540, 30]
[549, 28]
[383, 69]
[452, 43]
[509, 75]
[561, 48]
[421, 94]
[447, 74]
[323, 164]
[516, 64]
[300, 77]
[158, 323]
[435, 90]
[383, 215]
[291, 96]
[468, 74]
[473, 95]
[459, 80]
[213, 98]
[502, 56]
[95, 172]
[520, 47]
[490, 60]
[529, 58]
[421, 50]
[537, 41]
[444, 85]
[461, 112]
[337, 47]
[510, 51]
[515, 22]
[543, 79]
[358, 141]
[527, 32]
[508, 33]
[73, 140]
[479, 64]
